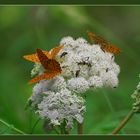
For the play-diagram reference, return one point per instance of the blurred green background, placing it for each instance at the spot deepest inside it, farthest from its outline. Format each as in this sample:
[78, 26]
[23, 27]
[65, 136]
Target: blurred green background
[25, 28]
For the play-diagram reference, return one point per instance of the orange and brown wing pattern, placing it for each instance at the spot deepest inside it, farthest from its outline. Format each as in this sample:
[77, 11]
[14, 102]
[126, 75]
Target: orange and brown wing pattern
[96, 39]
[104, 44]
[48, 64]
[112, 49]
[34, 57]
[43, 76]
[46, 59]
[55, 51]
[42, 58]
[50, 55]
[53, 65]
[47, 54]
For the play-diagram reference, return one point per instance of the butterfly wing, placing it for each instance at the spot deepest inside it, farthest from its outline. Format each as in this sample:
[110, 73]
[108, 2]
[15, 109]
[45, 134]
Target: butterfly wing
[43, 76]
[34, 57]
[112, 49]
[55, 51]
[97, 39]
[43, 59]
[53, 65]
[48, 64]
[104, 44]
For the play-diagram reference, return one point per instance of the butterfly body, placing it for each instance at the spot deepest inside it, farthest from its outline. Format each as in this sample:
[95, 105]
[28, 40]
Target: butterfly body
[105, 46]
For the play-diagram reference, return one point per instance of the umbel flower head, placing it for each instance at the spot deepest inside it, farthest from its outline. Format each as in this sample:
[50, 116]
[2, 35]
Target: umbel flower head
[136, 97]
[51, 100]
[60, 106]
[87, 65]
[82, 66]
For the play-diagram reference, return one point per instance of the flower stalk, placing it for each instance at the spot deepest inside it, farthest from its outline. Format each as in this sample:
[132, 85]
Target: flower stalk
[12, 127]
[33, 128]
[63, 128]
[80, 128]
[123, 122]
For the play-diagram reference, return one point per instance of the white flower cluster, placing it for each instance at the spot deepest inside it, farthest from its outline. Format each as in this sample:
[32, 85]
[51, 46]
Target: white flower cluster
[62, 105]
[84, 66]
[52, 100]
[88, 65]
[38, 69]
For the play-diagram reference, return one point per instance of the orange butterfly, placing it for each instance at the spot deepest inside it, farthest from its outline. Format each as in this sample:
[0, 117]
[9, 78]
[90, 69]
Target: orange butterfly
[105, 46]
[47, 60]
[51, 54]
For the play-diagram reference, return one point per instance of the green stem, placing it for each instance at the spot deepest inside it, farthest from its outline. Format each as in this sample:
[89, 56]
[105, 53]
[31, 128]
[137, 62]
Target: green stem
[66, 132]
[12, 127]
[80, 128]
[57, 132]
[30, 121]
[123, 122]
[63, 129]
[4, 131]
[35, 124]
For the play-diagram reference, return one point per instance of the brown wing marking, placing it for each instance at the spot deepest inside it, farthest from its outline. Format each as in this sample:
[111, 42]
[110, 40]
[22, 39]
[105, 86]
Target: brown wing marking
[112, 49]
[43, 58]
[96, 39]
[48, 64]
[53, 65]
